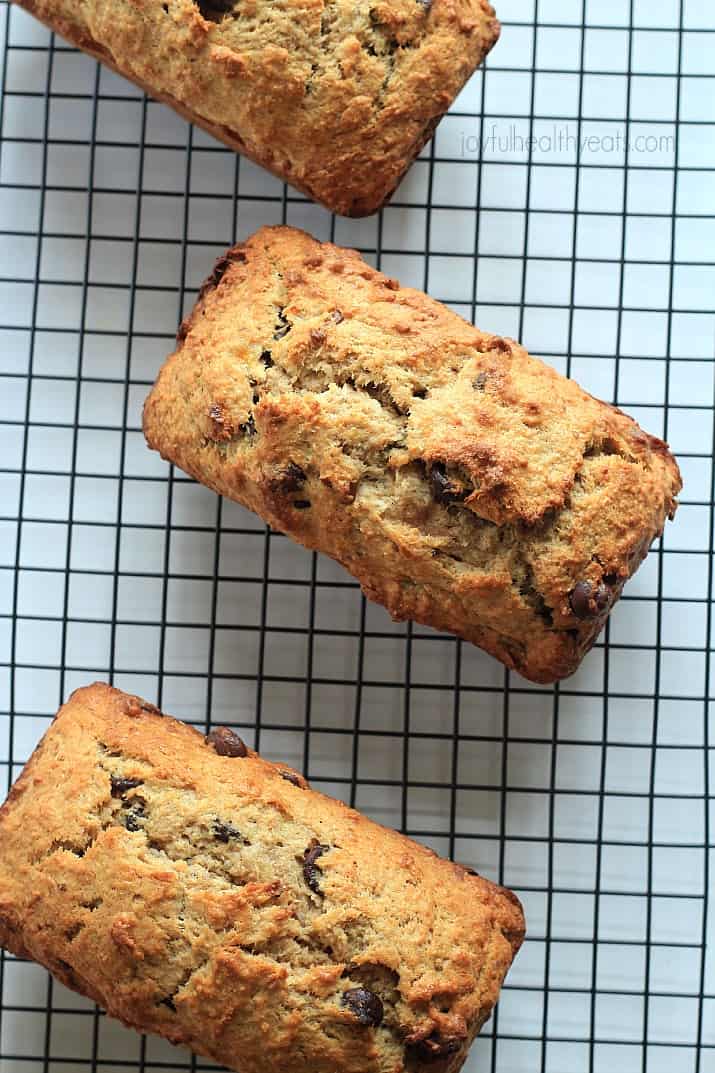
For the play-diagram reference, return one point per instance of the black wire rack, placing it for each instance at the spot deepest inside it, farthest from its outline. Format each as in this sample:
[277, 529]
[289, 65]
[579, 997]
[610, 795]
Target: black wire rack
[568, 200]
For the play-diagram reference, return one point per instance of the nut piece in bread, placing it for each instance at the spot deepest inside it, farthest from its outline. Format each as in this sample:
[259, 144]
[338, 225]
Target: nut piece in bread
[336, 97]
[195, 890]
[464, 483]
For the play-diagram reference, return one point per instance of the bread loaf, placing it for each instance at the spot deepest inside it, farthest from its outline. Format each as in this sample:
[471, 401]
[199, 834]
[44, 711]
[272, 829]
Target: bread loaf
[194, 890]
[467, 485]
[336, 97]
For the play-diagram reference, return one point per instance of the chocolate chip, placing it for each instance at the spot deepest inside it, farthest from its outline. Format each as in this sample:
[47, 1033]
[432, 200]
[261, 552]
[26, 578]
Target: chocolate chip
[444, 490]
[222, 264]
[248, 428]
[301, 504]
[210, 9]
[226, 742]
[290, 480]
[168, 1002]
[580, 600]
[120, 785]
[479, 381]
[282, 327]
[420, 393]
[589, 603]
[293, 478]
[365, 1005]
[224, 832]
[337, 316]
[434, 1047]
[311, 872]
[295, 778]
[132, 818]
[267, 359]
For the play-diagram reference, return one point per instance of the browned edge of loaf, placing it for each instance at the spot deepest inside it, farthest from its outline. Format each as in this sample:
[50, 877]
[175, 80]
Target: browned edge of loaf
[574, 635]
[356, 208]
[105, 710]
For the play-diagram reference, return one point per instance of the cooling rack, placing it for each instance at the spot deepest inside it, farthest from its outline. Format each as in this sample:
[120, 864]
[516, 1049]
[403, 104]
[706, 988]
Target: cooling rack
[567, 200]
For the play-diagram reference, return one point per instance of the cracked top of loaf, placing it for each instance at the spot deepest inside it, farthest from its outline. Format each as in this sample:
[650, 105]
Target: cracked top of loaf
[466, 484]
[197, 891]
[336, 97]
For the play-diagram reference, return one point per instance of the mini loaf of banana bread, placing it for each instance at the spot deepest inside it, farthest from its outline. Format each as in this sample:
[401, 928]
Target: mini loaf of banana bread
[465, 484]
[195, 890]
[336, 97]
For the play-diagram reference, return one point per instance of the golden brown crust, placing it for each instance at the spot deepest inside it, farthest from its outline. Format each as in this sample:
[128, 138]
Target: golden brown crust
[336, 97]
[464, 483]
[173, 884]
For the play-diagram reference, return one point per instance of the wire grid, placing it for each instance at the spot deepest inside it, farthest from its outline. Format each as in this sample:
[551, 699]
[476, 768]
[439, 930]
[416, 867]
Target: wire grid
[591, 798]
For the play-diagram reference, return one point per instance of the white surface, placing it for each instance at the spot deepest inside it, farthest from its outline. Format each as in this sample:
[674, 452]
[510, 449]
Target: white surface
[125, 553]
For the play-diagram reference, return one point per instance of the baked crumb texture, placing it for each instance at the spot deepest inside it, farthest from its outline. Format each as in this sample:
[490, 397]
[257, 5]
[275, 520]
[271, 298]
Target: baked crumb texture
[194, 890]
[336, 97]
[465, 484]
